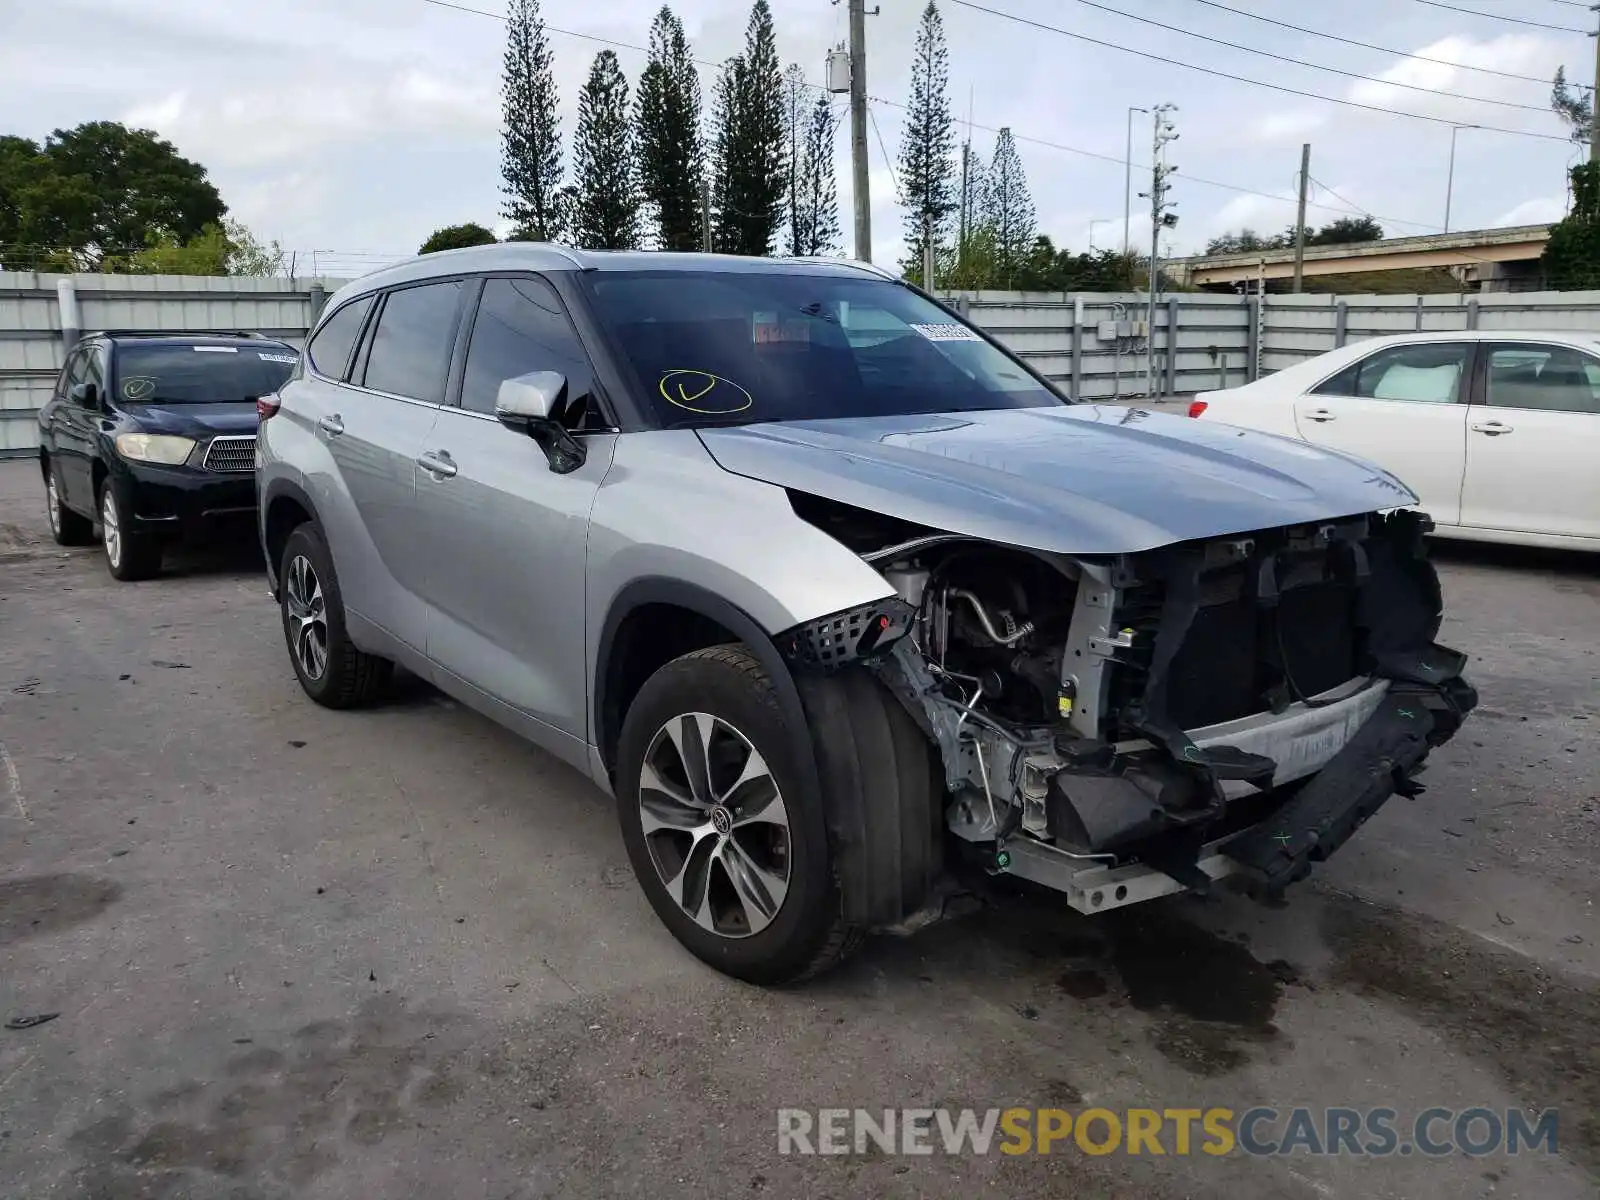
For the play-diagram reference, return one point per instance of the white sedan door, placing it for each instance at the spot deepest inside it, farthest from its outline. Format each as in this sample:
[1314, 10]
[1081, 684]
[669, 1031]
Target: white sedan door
[1533, 442]
[1403, 408]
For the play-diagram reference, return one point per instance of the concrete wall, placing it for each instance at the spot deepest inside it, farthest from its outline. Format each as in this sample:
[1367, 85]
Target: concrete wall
[1215, 343]
[1216, 335]
[32, 345]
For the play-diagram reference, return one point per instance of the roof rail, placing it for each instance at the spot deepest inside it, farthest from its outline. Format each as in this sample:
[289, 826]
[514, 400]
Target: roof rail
[177, 333]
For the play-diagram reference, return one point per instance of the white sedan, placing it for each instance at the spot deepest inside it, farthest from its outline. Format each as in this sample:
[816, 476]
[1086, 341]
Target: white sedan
[1497, 433]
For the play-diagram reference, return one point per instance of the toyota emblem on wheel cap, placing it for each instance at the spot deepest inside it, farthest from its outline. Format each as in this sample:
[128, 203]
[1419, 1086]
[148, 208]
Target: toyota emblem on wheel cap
[722, 821]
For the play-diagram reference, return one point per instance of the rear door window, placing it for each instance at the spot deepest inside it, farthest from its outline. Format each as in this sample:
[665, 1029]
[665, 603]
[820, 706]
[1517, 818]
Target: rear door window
[1425, 373]
[410, 352]
[1554, 378]
[330, 350]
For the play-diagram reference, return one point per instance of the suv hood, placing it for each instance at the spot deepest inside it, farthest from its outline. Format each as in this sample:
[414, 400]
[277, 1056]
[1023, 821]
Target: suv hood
[195, 420]
[1078, 479]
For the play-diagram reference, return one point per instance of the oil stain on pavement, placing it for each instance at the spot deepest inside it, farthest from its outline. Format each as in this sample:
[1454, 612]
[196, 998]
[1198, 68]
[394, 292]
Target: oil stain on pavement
[42, 904]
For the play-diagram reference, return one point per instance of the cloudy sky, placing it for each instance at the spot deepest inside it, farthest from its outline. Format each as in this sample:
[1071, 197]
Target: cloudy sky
[352, 128]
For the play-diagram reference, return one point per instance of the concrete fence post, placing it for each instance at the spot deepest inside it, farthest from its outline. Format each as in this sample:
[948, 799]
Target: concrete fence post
[1252, 339]
[71, 322]
[1419, 312]
[1472, 313]
[1341, 323]
[1172, 345]
[319, 297]
[1077, 347]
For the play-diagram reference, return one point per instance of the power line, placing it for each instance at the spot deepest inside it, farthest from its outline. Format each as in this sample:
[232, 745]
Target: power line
[1300, 62]
[1474, 12]
[1334, 37]
[1174, 62]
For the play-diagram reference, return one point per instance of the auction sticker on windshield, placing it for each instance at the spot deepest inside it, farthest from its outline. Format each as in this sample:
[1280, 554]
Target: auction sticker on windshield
[947, 333]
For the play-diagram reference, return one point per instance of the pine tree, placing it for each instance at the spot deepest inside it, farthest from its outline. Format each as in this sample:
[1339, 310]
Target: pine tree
[928, 145]
[606, 212]
[668, 135]
[530, 156]
[816, 215]
[796, 118]
[1009, 208]
[724, 106]
[750, 142]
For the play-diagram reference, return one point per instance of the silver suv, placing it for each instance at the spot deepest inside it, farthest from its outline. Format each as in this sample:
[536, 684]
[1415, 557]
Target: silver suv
[827, 589]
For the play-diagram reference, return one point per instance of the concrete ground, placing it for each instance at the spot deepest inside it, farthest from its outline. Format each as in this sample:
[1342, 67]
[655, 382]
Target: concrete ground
[400, 952]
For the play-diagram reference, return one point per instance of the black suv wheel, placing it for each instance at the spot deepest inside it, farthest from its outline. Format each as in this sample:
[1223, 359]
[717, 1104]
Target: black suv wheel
[66, 526]
[129, 555]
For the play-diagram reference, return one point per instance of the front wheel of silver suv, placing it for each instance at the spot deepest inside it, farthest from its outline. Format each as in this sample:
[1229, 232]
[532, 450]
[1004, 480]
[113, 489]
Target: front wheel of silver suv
[731, 854]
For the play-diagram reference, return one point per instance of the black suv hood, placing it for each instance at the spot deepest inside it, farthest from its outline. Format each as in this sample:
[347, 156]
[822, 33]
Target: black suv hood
[195, 420]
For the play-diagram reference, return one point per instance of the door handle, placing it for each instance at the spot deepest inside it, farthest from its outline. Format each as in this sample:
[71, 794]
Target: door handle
[1492, 428]
[332, 425]
[438, 463]
[1320, 414]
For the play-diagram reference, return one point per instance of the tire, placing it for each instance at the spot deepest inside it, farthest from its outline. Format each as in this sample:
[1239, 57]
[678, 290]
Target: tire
[69, 528]
[330, 668]
[129, 556]
[722, 699]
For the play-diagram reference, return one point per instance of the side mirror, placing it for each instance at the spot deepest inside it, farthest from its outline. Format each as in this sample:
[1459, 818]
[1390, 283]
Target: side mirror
[534, 404]
[85, 394]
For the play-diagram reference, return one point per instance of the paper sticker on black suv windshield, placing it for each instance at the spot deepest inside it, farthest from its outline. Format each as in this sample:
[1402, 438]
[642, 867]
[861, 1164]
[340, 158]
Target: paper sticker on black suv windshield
[215, 349]
[284, 358]
[947, 333]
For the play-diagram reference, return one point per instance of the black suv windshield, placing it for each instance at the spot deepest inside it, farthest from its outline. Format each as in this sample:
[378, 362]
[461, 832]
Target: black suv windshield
[733, 347]
[168, 373]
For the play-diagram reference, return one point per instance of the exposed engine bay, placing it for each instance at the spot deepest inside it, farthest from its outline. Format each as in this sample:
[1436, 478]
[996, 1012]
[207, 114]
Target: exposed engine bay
[1122, 728]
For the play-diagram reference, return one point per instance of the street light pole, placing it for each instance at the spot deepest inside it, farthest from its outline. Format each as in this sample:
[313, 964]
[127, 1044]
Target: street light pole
[1127, 183]
[1450, 176]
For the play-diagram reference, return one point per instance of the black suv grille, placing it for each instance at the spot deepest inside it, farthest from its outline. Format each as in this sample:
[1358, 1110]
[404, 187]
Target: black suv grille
[231, 453]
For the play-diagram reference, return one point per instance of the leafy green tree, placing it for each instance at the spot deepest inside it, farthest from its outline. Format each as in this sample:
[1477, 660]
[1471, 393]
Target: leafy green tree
[815, 216]
[205, 254]
[1009, 208]
[606, 213]
[1571, 258]
[250, 255]
[457, 237]
[667, 122]
[928, 145]
[1572, 106]
[1345, 231]
[96, 190]
[749, 138]
[530, 137]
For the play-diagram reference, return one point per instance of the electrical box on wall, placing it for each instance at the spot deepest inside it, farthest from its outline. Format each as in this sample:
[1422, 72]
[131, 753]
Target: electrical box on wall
[1110, 331]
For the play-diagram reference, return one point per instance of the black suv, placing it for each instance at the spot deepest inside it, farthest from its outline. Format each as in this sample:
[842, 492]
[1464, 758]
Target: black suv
[150, 438]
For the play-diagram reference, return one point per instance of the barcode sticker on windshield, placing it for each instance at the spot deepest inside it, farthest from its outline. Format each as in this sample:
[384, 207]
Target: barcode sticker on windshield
[288, 358]
[947, 333]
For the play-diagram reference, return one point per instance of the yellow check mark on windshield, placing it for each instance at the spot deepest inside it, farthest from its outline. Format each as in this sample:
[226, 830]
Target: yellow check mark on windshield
[690, 390]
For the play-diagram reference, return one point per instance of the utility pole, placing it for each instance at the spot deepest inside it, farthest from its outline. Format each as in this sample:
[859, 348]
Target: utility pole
[966, 167]
[1300, 217]
[1594, 96]
[1127, 185]
[705, 215]
[858, 127]
[1450, 174]
[1161, 217]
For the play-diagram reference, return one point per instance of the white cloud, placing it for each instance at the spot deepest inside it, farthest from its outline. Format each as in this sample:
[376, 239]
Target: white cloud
[1539, 210]
[1294, 125]
[1514, 53]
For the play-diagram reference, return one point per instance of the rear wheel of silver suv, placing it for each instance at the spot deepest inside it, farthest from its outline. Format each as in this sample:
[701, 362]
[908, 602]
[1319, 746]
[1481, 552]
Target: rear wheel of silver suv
[330, 668]
[730, 853]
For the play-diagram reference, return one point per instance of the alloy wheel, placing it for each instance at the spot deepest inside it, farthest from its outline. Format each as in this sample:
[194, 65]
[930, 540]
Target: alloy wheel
[307, 617]
[111, 529]
[715, 825]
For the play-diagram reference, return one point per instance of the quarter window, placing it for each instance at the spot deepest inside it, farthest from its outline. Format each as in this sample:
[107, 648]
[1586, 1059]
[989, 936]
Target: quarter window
[330, 349]
[410, 353]
[521, 328]
[1556, 378]
[1427, 373]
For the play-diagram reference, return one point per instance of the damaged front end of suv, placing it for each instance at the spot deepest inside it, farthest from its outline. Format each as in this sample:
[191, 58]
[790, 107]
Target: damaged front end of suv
[1123, 726]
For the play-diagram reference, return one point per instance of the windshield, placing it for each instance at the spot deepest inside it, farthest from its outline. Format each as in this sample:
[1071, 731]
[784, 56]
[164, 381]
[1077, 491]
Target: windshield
[200, 374]
[736, 347]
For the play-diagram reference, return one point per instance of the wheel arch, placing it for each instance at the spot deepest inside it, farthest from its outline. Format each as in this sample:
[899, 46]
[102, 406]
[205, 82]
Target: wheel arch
[285, 507]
